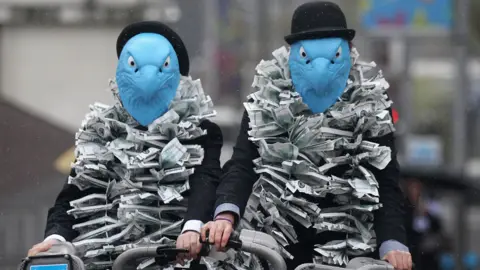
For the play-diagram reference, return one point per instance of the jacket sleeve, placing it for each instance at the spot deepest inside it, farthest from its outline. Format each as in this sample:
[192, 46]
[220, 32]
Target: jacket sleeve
[58, 221]
[206, 178]
[390, 218]
[238, 178]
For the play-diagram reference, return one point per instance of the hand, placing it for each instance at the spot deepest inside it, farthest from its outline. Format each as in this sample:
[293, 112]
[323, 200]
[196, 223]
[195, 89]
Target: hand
[42, 247]
[219, 230]
[400, 260]
[189, 240]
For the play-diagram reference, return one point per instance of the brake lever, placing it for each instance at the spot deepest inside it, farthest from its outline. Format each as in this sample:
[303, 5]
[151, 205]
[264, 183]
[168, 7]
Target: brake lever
[206, 242]
[233, 242]
[205, 246]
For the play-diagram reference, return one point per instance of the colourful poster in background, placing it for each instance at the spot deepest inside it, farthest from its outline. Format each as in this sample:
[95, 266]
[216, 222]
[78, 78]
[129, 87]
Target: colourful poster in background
[406, 14]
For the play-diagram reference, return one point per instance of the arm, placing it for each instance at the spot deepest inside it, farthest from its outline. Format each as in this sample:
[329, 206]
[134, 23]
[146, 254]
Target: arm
[389, 220]
[205, 180]
[237, 181]
[59, 223]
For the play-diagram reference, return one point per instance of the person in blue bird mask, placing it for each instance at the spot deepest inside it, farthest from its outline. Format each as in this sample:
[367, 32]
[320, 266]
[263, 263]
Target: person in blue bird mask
[146, 167]
[315, 162]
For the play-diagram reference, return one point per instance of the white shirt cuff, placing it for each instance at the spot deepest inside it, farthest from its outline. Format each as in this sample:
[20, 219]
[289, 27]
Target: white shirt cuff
[56, 237]
[193, 225]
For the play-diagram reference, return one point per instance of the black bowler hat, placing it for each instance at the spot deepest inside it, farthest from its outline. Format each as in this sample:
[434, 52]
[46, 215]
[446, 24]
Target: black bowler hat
[156, 28]
[319, 19]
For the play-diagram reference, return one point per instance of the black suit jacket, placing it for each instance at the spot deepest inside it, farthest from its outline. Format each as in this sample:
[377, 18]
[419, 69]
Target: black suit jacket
[203, 184]
[238, 179]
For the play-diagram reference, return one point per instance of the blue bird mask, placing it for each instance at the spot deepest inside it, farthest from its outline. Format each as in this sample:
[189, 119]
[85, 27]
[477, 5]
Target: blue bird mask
[319, 69]
[147, 76]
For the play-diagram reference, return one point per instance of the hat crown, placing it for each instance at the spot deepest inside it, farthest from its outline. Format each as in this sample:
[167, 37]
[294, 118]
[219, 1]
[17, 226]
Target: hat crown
[318, 15]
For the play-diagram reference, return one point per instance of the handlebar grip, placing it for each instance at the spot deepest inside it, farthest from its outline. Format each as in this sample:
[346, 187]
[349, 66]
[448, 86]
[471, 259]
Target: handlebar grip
[233, 241]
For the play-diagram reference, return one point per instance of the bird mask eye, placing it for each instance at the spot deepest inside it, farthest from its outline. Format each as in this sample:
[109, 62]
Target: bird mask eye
[167, 62]
[303, 54]
[339, 53]
[131, 61]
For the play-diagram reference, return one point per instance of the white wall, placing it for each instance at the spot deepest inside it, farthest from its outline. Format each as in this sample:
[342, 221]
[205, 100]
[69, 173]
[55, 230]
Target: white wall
[57, 72]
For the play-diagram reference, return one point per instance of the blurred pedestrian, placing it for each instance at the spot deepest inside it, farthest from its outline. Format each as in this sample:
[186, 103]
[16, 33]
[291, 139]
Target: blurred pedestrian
[426, 238]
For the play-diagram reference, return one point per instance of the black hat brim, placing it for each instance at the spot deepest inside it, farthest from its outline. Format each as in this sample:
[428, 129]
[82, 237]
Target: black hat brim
[347, 34]
[161, 29]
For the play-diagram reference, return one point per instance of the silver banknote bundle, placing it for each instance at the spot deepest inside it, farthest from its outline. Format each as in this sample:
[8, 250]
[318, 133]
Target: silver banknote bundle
[298, 151]
[142, 173]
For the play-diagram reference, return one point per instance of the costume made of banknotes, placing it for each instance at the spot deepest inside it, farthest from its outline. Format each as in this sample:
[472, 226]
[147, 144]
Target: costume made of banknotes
[136, 160]
[313, 116]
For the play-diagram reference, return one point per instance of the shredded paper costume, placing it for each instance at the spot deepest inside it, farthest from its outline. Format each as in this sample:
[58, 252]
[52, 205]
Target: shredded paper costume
[151, 168]
[298, 148]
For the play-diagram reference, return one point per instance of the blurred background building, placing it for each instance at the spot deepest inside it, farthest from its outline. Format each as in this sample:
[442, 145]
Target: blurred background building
[56, 57]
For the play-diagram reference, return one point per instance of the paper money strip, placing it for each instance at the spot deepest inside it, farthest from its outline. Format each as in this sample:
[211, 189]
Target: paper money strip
[143, 171]
[298, 151]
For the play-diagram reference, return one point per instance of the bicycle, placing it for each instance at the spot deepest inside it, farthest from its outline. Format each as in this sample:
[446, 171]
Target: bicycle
[62, 256]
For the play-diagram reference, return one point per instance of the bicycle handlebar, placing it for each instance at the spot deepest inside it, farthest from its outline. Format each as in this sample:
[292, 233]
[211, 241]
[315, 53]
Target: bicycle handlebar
[253, 242]
[264, 246]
